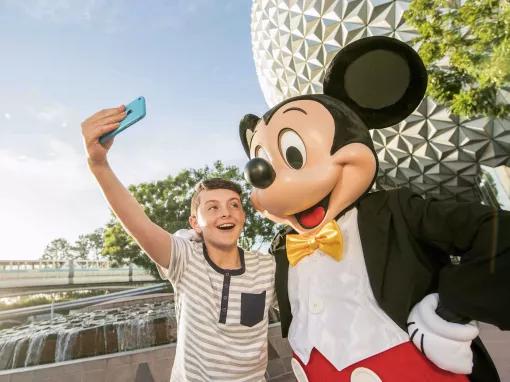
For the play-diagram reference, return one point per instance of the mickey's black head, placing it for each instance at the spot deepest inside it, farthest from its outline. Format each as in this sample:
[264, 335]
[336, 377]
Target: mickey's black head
[381, 80]
[372, 83]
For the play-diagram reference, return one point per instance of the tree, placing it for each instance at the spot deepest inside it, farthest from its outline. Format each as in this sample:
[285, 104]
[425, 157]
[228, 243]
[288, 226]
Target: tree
[167, 203]
[58, 249]
[96, 242]
[465, 45]
[89, 246]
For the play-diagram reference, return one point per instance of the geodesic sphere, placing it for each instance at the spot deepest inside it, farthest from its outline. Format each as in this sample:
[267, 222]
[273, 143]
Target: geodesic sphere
[433, 151]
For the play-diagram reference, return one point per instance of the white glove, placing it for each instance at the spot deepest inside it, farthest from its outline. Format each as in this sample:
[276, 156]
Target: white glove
[188, 234]
[446, 344]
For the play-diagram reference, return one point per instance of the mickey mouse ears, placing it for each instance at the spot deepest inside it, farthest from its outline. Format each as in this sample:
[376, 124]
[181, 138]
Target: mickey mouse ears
[382, 79]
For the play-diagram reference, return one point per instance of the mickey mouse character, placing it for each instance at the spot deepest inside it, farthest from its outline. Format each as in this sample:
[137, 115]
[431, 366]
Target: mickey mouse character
[365, 282]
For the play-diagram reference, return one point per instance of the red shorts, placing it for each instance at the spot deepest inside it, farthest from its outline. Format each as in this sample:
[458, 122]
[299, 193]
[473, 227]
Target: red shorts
[400, 363]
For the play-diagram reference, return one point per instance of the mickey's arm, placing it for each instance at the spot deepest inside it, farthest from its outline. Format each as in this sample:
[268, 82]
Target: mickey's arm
[479, 287]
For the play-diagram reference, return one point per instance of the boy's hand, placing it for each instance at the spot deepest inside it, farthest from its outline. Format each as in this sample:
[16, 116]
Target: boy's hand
[95, 126]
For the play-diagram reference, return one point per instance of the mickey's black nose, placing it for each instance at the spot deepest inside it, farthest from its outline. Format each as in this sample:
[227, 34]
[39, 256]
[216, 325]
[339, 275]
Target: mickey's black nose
[259, 173]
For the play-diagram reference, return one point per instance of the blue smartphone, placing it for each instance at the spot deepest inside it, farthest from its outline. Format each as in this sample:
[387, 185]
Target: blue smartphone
[135, 112]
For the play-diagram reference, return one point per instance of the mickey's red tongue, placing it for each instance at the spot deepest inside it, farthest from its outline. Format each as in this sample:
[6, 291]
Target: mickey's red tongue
[312, 218]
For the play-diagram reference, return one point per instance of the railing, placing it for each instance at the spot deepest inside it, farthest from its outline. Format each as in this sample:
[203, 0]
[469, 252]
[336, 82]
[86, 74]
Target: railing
[80, 303]
[20, 265]
[34, 273]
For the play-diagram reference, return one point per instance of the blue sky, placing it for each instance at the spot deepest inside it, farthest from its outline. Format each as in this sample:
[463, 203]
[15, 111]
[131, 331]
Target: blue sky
[62, 60]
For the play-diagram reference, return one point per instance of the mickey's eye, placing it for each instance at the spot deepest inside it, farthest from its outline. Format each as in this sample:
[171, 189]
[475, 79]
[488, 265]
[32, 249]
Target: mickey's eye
[260, 152]
[292, 148]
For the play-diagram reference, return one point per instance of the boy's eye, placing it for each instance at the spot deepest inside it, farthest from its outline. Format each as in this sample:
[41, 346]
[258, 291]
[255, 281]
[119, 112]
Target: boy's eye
[212, 207]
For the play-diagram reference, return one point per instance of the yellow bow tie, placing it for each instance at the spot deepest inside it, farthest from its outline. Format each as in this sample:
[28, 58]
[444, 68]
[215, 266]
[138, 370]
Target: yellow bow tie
[329, 240]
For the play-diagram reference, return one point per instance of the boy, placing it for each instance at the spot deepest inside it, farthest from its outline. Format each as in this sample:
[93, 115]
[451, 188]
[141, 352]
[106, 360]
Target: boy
[222, 293]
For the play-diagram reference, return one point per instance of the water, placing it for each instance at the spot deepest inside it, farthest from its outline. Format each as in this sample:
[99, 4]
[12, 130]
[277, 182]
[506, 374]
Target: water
[85, 334]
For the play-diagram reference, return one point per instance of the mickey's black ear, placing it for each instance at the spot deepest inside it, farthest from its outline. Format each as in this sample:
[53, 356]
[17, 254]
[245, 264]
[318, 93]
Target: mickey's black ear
[381, 78]
[246, 130]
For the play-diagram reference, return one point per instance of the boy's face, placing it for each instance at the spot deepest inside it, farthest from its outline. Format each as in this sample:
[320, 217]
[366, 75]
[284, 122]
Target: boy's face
[219, 218]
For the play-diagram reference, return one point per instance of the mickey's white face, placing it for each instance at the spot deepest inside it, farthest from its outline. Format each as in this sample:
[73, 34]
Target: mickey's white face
[311, 186]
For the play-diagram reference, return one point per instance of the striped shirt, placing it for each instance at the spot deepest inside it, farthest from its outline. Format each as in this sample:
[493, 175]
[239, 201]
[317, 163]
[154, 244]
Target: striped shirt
[222, 315]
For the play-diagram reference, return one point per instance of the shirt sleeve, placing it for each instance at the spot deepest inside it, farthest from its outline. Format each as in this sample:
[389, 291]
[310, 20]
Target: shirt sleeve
[476, 288]
[179, 259]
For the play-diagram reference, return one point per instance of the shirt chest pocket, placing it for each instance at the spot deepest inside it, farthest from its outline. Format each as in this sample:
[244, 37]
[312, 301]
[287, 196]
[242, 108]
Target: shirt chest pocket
[252, 308]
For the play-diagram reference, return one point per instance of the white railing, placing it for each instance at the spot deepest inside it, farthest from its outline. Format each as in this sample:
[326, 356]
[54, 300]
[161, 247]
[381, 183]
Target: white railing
[30, 273]
[19, 265]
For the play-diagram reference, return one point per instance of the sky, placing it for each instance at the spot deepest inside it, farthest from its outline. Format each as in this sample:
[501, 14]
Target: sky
[63, 60]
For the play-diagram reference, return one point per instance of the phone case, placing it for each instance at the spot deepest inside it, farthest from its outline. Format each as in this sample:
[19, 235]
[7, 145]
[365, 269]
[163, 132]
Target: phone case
[135, 112]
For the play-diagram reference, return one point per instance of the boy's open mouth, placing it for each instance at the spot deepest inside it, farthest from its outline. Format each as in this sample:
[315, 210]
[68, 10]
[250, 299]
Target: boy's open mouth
[313, 216]
[226, 226]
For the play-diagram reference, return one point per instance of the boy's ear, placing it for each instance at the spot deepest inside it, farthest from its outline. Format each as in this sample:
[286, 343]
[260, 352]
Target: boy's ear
[194, 224]
[381, 78]
[246, 131]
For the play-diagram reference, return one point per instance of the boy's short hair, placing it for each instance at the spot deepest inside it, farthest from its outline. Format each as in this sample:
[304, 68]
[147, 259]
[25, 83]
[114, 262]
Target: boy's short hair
[212, 184]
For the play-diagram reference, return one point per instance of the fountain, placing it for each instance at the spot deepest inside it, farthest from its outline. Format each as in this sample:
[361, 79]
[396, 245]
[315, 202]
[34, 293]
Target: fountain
[87, 333]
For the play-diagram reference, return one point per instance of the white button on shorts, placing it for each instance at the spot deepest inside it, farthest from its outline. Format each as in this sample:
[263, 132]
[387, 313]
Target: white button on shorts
[362, 374]
[299, 373]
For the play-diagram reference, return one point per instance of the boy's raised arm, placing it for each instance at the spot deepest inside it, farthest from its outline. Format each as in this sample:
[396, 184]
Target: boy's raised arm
[154, 240]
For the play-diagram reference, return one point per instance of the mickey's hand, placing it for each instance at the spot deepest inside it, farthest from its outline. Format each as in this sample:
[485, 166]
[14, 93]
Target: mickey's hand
[188, 234]
[446, 344]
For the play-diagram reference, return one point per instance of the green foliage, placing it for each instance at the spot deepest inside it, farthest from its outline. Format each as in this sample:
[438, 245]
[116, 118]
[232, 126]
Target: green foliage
[87, 247]
[466, 48]
[58, 249]
[167, 203]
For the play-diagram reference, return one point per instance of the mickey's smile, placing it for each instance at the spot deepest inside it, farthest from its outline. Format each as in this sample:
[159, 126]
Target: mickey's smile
[313, 216]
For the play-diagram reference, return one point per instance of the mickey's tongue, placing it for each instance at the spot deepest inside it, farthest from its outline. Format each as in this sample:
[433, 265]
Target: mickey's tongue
[312, 217]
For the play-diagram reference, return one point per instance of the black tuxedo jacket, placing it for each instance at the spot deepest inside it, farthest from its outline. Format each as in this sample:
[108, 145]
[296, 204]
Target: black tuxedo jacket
[408, 243]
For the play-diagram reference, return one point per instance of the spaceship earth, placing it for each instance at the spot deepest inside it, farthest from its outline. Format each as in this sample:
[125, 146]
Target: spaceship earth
[433, 152]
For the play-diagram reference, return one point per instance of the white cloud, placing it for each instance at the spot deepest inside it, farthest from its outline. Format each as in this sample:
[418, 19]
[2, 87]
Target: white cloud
[65, 11]
[51, 113]
[106, 15]
[38, 119]
[42, 200]
[47, 191]
[112, 16]
[7, 116]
